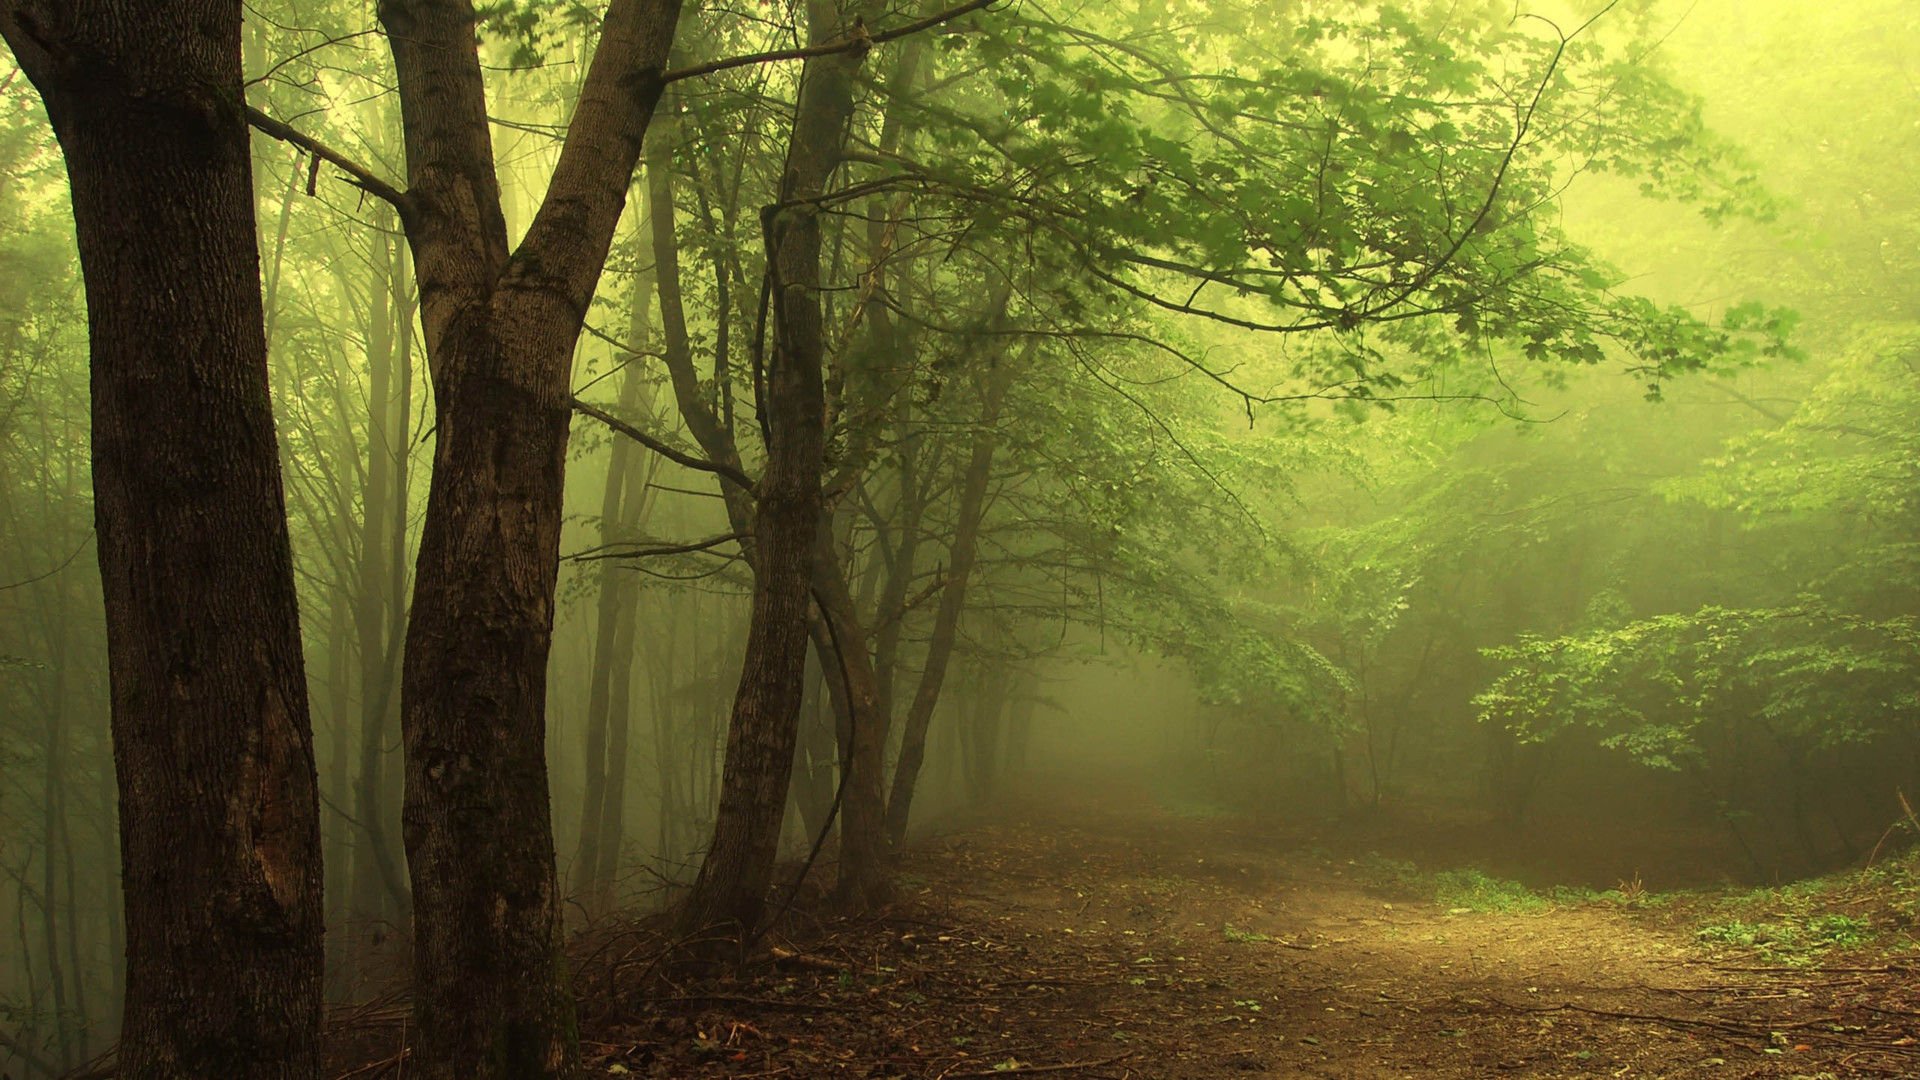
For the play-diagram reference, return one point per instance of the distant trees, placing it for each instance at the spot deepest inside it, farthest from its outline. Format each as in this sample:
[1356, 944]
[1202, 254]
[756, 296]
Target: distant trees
[1798, 680]
[219, 819]
[1040, 225]
[954, 327]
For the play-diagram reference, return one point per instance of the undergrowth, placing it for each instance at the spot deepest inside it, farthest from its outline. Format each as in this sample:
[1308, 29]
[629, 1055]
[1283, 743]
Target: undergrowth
[1468, 889]
[1872, 912]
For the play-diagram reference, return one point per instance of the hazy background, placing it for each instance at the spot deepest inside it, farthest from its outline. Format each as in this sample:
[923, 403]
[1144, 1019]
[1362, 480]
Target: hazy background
[1707, 598]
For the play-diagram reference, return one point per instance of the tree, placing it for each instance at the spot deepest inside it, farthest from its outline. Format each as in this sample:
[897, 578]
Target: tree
[500, 324]
[787, 512]
[218, 812]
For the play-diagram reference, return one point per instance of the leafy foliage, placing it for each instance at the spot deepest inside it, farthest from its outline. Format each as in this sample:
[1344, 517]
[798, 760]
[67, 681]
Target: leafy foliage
[1807, 676]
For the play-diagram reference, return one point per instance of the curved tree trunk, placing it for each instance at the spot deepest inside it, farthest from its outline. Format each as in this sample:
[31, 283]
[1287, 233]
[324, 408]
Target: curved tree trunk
[865, 720]
[731, 888]
[219, 818]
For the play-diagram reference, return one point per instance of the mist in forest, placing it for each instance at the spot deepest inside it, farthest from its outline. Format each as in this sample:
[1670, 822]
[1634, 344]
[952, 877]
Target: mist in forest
[731, 463]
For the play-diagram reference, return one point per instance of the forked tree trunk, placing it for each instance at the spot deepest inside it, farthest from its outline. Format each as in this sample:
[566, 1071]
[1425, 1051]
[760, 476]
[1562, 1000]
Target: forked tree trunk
[219, 815]
[490, 997]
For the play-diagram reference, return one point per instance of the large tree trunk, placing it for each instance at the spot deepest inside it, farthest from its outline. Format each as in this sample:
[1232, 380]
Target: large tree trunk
[490, 998]
[218, 809]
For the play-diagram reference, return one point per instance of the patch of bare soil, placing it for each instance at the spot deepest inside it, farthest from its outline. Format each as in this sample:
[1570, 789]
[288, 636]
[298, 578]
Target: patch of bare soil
[1110, 939]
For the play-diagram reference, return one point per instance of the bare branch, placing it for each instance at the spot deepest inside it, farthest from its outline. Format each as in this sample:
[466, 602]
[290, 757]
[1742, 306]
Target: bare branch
[857, 40]
[616, 551]
[678, 457]
[358, 175]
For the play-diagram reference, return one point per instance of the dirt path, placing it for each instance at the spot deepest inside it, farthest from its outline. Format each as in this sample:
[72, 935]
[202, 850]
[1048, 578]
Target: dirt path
[1113, 939]
[1227, 954]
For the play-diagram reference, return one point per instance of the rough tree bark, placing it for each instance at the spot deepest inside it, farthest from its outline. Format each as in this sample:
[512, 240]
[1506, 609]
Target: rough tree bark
[219, 818]
[490, 996]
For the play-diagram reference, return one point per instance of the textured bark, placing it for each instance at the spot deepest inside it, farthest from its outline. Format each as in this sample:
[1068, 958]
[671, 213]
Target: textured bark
[219, 817]
[491, 998]
[953, 598]
[731, 887]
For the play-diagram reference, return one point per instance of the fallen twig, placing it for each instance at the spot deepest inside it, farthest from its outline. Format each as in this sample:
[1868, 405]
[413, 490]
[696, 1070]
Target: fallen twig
[1028, 1070]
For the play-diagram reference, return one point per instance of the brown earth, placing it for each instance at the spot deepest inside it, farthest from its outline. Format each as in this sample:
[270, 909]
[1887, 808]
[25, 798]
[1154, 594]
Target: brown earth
[1108, 938]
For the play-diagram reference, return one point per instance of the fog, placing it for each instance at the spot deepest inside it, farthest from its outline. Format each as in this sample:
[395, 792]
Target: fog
[1339, 447]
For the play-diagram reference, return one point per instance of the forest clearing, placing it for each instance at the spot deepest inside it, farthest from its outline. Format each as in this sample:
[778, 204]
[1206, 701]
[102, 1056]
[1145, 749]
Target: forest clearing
[548, 539]
[1083, 932]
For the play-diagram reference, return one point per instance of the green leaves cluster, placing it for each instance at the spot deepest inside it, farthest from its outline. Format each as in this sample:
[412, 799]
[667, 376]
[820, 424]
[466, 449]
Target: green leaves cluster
[1656, 688]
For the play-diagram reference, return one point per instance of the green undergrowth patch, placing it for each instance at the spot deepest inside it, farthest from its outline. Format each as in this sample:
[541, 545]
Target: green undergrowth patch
[1868, 913]
[1474, 890]
[1462, 890]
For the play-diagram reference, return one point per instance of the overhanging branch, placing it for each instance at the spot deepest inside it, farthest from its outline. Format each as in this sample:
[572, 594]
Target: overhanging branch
[617, 551]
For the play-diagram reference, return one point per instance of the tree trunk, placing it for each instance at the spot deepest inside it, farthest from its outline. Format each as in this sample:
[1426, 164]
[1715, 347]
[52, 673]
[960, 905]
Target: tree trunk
[814, 758]
[610, 683]
[379, 894]
[613, 808]
[490, 998]
[219, 819]
[863, 881]
[731, 887]
[953, 599]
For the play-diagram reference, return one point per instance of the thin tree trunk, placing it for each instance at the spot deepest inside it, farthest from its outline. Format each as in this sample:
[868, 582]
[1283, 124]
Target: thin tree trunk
[863, 880]
[213, 747]
[815, 755]
[53, 710]
[338, 839]
[731, 887]
[953, 599]
[379, 894]
[609, 604]
[608, 693]
[613, 810]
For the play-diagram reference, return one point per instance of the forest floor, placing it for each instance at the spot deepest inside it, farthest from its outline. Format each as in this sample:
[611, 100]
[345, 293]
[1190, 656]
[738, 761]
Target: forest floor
[1112, 937]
